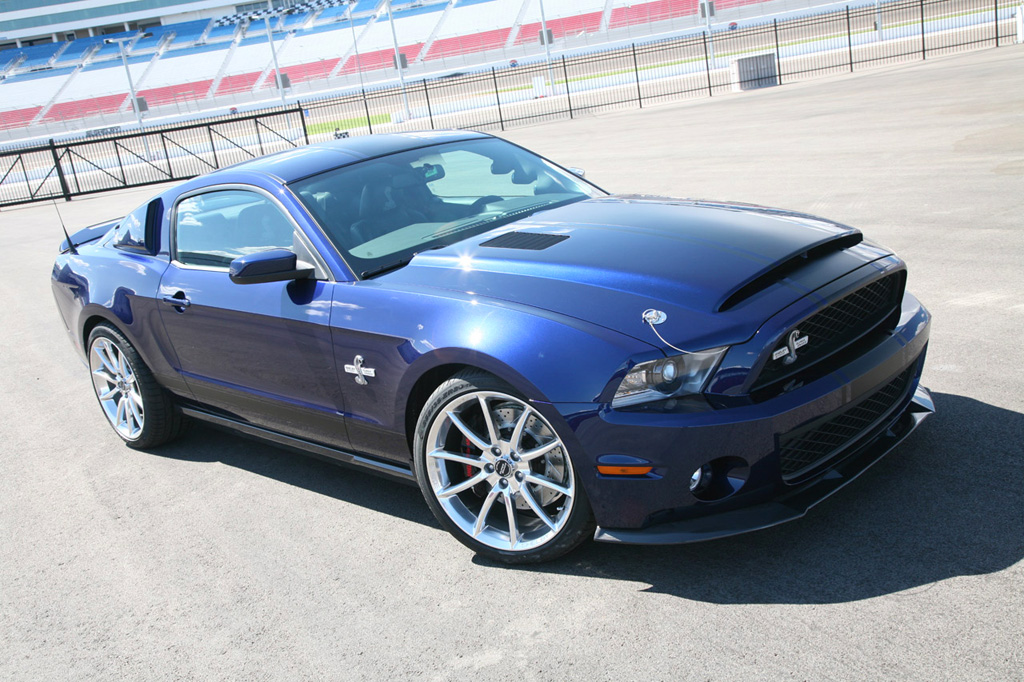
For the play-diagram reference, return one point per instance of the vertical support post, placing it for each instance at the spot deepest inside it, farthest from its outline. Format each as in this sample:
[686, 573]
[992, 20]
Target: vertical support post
[426, 96]
[497, 98]
[924, 52]
[259, 138]
[636, 71]
[213, 147]
[707, 64]
[366, 106]
[60, 172]
[568, 97]
[849, 37]
[995, 17]
[398, 62]
[778, 54]
[277, 69]
[302, 118]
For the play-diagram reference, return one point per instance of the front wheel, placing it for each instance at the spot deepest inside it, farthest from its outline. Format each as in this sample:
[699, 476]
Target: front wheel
[139, 410]
[496, 474]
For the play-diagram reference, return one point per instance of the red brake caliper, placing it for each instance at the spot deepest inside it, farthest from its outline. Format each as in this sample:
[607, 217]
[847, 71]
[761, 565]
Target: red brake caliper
[467, 450]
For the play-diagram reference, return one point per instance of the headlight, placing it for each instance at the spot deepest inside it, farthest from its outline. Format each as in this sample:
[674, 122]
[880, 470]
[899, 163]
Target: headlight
[670, 377]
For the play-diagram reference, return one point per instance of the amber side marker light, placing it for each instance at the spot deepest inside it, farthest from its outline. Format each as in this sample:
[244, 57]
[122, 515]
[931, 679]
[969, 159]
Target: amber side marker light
[623, 471]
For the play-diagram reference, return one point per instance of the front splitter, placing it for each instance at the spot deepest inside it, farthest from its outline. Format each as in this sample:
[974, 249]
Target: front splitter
[786, 508]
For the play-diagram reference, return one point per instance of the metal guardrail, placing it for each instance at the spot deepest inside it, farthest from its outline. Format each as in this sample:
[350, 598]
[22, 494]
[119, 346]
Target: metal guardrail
[699, 65]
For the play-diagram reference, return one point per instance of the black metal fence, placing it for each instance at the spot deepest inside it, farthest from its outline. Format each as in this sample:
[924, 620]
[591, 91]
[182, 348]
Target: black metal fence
[698, 65]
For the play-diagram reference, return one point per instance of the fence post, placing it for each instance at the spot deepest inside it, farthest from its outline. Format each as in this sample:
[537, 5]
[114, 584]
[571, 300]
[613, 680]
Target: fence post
[707, 64]
[924, 53]
[568, 98]
[849, 37]
[995, 12]
[60, 171]
[778, 55]
[366, 106]
[497, 98]
[636, 70]
[302, 118]
[426, 94]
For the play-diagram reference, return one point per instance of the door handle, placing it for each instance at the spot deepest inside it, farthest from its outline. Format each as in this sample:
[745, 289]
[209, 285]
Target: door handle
[177, 302]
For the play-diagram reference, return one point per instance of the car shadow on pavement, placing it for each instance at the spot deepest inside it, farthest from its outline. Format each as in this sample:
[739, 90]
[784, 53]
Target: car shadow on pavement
[204, 443]
[948, 502]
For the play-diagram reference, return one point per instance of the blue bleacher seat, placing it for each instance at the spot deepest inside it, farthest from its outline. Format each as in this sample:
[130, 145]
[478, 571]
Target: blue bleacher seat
[46, 73]
[332, 14]
[221, 32]
[365, 6]
[295, 20]
[423, 9]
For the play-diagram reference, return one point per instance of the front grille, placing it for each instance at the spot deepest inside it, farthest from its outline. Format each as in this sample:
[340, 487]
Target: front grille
[834, 327]
[808, 447]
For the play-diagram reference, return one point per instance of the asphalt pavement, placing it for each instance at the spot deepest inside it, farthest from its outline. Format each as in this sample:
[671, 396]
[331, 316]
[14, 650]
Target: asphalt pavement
[223, 558]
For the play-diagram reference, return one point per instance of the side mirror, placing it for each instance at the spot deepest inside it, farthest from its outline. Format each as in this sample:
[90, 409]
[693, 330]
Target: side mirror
[273, 265]
[577, 171]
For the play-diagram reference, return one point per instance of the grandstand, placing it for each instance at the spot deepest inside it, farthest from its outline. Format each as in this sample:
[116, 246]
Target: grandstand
[217, 61]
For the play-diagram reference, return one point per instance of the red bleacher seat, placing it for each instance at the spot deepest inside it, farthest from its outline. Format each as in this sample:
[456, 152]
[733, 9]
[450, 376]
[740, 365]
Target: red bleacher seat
[176, 93]
[81, 108]
[17, 118]
[238, 82]
[565, 26]
[380, 59]
[305, 72]
[475, 42]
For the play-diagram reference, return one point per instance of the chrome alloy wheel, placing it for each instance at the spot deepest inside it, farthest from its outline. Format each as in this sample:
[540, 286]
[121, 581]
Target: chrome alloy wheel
[114, 381]
[499, 471]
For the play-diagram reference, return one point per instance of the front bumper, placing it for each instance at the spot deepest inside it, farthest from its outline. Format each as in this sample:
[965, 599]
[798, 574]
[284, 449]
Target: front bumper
[756, 439]
[789, 506]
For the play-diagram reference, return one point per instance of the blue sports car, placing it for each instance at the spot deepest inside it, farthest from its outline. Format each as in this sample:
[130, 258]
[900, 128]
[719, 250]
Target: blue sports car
[546, 361]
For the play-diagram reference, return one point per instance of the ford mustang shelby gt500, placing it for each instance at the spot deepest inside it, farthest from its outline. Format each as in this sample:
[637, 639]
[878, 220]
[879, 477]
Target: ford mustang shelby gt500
[546, 361]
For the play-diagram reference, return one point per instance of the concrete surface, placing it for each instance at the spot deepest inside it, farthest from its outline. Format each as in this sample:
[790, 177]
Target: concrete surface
[220, 558]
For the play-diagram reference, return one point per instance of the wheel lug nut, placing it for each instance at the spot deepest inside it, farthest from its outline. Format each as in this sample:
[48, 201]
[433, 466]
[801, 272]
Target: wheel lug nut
[515, 456]
[503, 483]
[489, 468]
[495, 450]
[519, 475]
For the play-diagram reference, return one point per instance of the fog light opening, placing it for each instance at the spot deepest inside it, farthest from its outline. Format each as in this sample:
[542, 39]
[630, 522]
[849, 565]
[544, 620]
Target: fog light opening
[700, 479]
[719, 478]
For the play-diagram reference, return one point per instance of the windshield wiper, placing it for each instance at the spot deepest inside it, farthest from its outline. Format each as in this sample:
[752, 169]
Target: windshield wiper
[388, 267]
[395, 265]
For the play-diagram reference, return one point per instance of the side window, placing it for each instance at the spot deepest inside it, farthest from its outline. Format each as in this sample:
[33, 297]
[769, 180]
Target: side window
[213, 229]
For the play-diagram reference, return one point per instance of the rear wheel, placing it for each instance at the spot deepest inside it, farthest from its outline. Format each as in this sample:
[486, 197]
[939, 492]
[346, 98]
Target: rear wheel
[496, 474]
[140, 411]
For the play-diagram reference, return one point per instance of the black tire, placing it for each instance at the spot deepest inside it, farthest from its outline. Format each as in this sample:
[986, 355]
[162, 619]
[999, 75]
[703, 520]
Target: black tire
[160, 419]
[515, 470]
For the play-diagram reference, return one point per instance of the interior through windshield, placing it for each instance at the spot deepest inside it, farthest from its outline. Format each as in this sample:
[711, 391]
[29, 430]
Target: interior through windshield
[383, 211]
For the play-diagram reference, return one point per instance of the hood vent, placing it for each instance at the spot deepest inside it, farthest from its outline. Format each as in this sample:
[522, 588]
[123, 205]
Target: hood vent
[529, 241]
[786, 267]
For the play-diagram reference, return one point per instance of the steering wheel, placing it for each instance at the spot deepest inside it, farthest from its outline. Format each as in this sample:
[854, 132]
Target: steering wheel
[481, 203]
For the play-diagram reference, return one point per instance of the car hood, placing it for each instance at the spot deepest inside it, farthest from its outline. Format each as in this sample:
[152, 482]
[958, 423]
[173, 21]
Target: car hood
[717, 270]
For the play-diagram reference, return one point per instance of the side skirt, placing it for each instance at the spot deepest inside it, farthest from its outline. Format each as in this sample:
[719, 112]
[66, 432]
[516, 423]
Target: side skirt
[386, 469]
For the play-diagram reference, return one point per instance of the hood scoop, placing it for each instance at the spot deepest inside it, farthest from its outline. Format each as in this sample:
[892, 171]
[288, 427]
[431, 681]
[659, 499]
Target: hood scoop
[527, 241]
[786, 267]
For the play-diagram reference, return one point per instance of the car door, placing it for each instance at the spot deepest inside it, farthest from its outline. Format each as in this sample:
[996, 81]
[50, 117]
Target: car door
[262, 352]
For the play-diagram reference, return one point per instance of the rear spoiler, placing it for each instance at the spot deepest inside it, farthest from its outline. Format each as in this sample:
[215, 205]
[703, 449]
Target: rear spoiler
[88, 234]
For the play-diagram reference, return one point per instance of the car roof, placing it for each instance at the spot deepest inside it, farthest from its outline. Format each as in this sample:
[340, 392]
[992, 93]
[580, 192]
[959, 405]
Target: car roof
[302, 162]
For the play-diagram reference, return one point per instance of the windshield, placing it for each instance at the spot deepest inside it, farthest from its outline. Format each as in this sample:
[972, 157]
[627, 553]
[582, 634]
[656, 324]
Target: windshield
[381, 212]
